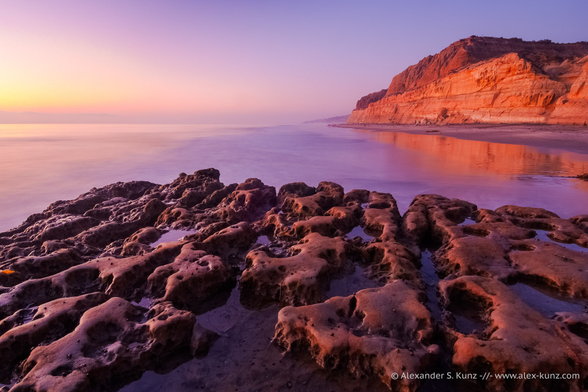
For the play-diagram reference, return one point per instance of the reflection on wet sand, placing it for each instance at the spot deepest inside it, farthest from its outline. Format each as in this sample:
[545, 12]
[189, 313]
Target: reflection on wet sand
[476, 156]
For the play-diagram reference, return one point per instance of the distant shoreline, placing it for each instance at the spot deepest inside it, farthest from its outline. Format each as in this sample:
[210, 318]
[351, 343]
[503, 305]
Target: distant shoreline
[563, 137]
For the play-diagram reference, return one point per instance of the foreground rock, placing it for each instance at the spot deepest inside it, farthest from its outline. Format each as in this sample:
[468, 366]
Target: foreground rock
[517, 339]
[126, 279]
[109, 344]
[375, 333]
[486, 80]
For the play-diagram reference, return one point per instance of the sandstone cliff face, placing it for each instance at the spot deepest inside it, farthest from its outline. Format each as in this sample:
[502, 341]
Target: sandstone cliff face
[487, 80]
[373, 97]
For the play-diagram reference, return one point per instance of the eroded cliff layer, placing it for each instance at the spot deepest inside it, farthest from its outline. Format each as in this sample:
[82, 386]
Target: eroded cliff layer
[487, 80]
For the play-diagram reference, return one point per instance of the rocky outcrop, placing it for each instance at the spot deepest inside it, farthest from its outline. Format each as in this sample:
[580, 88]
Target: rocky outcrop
[73, 276]
[299, 279]
[98, 290]
[486, 80]
[109, 343]
[362, 335]
[517, 339]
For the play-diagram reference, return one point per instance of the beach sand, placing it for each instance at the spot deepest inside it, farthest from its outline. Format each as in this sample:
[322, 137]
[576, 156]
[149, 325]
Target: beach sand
[563, 137]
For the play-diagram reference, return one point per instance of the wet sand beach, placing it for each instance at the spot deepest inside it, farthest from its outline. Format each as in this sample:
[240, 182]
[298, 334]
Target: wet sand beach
[563, 137]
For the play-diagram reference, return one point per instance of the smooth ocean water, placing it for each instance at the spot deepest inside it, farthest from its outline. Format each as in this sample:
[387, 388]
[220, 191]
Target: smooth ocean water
[44, 163]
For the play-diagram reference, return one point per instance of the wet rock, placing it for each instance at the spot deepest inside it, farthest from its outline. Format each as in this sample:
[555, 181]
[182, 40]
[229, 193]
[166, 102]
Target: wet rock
[67, 274]
[443, 214]
[145, 235]
[581, 221]
[190, 279]
[50, 322]
[561, 230]
[52, 246]
[550, 263]
[299, 279]
[201, 340]
[328, 195]
[276, 224]
[175, 217]
[249, 201]
[199, 182]
[39, 266]
[78, 206]
[230, 240]
[124, 277]
[9, 278]
[324, 225]
[101, 242]
[356, 196]
[517, 339]
[500, 245]
[102, 214]
[192, 197]
[32, 292]
[435, 218]
[138, 243]
[60, 227]
[336, 221]
[374, 333]
[217, 196]
[382, 217]
[474, 255]
[206, 229]
[294, 190]
[109, 344]
[526, 212]
[489, 221]
[577, 323]
[134, 248]
[388, 261]
[139, 214]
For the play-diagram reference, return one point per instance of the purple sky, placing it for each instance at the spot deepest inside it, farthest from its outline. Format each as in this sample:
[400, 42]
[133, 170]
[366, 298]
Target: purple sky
[236, 61]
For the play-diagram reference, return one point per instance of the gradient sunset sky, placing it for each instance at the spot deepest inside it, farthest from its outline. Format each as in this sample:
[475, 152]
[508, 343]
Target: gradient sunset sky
[236, 61]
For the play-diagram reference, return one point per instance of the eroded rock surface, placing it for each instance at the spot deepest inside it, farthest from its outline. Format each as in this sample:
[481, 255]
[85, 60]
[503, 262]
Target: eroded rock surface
[109, 344]
[489, 326]
[89, 303]
[517, 339]
[136, 277]
[299, 279]
[375, 333]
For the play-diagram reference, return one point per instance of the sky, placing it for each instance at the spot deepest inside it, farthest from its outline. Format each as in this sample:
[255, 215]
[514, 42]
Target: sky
[255, 61]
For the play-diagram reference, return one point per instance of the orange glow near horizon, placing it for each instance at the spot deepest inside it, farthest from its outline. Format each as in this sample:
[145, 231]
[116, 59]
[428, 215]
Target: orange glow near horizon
[63, 74]
[230, 61]
[73, 77]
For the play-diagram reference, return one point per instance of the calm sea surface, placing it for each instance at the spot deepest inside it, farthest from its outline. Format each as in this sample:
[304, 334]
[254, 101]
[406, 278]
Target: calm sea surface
[43, 163]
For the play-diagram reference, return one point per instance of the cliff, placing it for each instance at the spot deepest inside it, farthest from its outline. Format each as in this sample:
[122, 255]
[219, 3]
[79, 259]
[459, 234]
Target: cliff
[486, 80]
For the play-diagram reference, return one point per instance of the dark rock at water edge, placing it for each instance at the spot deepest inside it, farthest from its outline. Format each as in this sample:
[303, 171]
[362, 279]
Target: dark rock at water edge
[89, 302]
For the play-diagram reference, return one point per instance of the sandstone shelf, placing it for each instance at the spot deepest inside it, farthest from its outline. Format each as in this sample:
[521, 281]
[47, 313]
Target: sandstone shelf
[245, 287]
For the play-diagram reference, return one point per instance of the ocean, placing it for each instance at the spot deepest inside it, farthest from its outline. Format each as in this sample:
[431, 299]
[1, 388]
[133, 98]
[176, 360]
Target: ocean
[44, 163]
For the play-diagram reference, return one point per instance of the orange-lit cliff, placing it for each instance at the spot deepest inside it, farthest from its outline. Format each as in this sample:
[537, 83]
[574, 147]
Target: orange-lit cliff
[486, 80]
